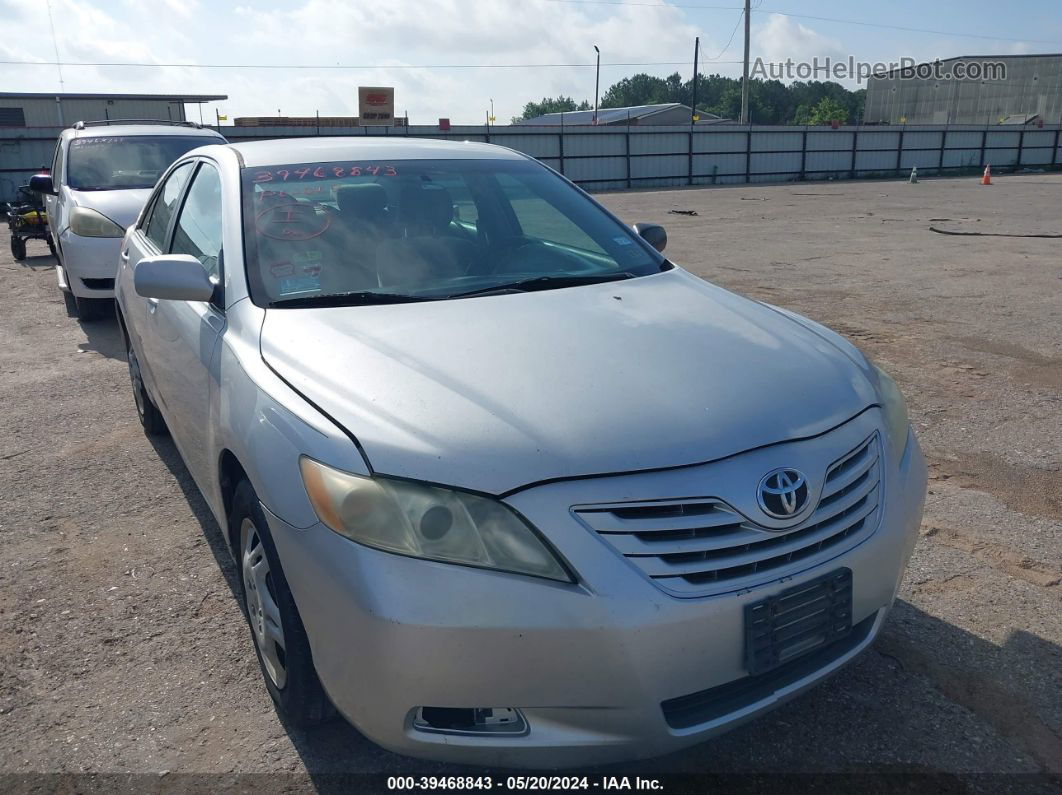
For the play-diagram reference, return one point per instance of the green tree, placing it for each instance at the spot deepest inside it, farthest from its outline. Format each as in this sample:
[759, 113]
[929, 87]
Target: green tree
[827, 110]
[770, 101]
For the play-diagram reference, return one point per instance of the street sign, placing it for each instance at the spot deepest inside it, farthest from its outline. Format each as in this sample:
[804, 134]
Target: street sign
[376, 106]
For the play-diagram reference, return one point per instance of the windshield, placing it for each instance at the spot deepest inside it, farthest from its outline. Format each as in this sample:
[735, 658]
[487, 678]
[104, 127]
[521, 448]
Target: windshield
[119, 162]
[375, 232]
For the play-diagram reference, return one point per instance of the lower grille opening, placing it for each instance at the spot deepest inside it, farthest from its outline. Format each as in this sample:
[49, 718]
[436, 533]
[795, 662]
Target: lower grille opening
[98, 284]
[713, 703]
[470, 720]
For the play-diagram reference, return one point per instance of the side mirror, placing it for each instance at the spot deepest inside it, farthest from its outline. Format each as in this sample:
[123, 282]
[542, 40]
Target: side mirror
[176, 277]
[42, 183]
[653, 234]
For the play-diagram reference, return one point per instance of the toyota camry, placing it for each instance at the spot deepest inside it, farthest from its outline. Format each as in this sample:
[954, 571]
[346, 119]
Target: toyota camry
[505, 485]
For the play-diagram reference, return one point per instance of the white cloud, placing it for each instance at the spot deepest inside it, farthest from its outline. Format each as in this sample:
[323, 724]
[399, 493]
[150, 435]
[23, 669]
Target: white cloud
[393, 32]
[781, 38]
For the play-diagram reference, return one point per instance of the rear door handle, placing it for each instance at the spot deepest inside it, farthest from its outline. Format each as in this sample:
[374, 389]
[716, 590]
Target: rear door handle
[153, 304]
[125, 254]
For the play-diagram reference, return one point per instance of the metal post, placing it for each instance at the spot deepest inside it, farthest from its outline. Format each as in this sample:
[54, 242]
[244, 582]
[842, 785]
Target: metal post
[940, 160]
[984, 139]
[560, 144]
[745, 72]
[689, 175]
[748, 154]
[627, 136]
[899, 150]
[1021, 147]
[855, 143]
[1054, 152]
[597, 81]
[803, 153]
[693, 103]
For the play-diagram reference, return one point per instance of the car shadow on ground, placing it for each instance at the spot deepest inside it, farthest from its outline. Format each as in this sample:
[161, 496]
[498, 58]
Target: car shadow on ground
[37, 262]
[167, 452]
[104, 337]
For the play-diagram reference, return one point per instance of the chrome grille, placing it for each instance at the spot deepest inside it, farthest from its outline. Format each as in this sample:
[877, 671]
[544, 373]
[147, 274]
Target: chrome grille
[701, 546]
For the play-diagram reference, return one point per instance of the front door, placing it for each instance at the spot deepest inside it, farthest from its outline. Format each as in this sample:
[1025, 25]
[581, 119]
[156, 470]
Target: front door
[186, 333]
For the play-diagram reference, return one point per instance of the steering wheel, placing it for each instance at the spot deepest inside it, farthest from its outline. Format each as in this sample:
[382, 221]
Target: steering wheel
[528, 256]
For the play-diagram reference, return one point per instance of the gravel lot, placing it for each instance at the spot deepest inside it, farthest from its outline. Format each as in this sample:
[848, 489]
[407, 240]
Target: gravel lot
[122, 649]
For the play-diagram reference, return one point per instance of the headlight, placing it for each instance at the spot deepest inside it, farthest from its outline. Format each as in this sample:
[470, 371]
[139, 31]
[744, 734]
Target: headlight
[85, 222]
[894, 407]
[427, 522]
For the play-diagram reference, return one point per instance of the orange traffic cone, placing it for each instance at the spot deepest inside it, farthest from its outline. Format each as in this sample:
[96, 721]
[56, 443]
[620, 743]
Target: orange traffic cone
[987, 178]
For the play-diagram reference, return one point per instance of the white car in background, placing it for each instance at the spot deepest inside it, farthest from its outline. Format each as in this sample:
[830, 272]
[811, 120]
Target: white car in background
[101, 175]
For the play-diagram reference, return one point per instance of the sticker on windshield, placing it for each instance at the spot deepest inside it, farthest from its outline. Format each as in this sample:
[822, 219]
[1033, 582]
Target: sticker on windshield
[323, 171]
[623, 241]
[296, 285]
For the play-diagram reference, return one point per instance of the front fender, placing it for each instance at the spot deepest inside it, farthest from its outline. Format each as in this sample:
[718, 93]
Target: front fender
[267, 426]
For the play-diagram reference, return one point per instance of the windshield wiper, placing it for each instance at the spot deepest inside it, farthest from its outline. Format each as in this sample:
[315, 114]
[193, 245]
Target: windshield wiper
[361, 298]
[548, 283]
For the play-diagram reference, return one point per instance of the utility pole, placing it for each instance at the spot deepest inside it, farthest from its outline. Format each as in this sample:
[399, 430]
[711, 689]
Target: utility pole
[597, 81]
[696, 52]
[745, 72]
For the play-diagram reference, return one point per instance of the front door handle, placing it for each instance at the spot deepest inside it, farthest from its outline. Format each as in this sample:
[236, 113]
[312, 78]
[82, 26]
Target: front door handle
[153, 304]
[125, 255]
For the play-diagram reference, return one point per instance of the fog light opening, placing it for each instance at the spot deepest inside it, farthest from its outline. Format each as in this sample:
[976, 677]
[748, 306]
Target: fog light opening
[471, 720]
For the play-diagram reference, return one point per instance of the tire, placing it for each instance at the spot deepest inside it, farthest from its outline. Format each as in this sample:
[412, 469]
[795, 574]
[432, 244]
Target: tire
[146, 410]
[70, 302]
[276, 630]
[18, 248]
[89, 309]
[51, 245]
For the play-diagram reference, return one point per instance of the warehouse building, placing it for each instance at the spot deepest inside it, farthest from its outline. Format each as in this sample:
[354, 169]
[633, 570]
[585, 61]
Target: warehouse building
[62, 110]
[30, 124]
[1010, 89]
[669, 113]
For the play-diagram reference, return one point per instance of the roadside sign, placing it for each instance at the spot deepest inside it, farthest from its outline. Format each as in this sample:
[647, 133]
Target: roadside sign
[376, 106]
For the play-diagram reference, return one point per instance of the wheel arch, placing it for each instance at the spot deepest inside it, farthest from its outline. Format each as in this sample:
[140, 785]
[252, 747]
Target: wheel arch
[230, 473]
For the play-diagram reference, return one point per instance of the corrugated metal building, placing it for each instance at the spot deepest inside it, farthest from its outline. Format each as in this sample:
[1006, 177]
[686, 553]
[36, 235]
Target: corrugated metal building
[62, 110]
[670, 113]
[1031, 88]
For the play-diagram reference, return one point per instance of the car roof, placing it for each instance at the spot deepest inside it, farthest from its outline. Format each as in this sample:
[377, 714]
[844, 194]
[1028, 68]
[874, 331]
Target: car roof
[280, 151]
[109, 130]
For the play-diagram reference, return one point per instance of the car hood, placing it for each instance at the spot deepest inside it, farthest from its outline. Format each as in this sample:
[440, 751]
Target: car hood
[497, 392]
[121, 206]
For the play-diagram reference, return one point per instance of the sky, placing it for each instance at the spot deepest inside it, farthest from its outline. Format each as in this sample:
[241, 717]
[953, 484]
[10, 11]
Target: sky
[519, 50]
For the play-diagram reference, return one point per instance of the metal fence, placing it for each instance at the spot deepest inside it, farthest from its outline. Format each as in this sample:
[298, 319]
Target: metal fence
[617, 158]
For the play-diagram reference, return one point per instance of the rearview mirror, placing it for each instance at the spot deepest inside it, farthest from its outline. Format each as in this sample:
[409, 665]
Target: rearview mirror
[176, 277]
[653, 234]
[42, 183]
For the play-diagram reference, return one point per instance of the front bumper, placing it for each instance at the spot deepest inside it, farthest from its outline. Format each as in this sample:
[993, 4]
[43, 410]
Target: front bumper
[588, 665]
[89, 264]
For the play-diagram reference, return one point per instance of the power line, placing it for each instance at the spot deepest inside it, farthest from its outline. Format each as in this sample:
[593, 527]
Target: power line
[730, 40]
[701, 7]
[349, 66]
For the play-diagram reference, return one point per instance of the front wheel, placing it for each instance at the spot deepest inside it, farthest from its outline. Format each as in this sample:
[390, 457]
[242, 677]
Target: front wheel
[276, 628]
[146, 410]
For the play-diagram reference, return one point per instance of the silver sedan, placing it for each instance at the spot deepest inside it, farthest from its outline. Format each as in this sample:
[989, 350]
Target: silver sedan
[504, 484]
